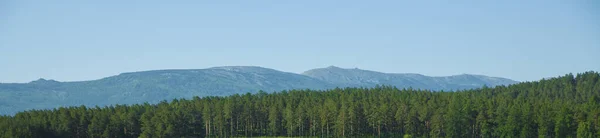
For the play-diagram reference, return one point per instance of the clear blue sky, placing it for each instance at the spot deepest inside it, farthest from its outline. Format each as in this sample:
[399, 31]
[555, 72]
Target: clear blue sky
[84, 40]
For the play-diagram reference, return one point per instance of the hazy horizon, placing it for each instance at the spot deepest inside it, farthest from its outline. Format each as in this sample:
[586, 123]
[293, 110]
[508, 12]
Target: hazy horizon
[69, 40]
[271, 68]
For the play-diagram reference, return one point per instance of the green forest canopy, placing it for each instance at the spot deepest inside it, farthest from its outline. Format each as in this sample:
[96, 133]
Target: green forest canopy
[566, 106]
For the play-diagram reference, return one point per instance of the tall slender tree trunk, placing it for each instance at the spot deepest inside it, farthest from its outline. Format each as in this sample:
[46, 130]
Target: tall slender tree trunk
[327, 129]
[473, 132]
[343, 127]
[208, 126]
[321, 130]
[351, 129]
[379, 130]
[299, 127]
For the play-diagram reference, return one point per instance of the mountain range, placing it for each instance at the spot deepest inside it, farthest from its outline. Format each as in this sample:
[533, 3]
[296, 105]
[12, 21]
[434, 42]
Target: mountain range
[157, 85]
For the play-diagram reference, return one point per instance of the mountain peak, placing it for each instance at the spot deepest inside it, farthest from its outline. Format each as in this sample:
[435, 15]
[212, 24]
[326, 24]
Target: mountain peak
[244, 68]
[333, 67]
[336, 67]
[42, 80]
[237, 67]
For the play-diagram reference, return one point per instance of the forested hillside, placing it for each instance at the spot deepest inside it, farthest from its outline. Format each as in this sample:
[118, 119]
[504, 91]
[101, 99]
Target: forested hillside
[567, 106]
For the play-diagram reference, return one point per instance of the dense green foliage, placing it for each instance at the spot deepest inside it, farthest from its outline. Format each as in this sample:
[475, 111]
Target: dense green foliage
[158, 85]
[567, 106]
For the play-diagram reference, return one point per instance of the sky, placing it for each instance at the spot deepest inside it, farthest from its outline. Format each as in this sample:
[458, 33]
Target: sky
[74, 40]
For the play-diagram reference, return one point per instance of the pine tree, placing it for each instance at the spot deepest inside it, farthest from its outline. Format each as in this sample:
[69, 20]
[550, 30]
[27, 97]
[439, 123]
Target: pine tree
[274, 121]
[289, 119]
[207, 115]
[342, 121]
[584, 130]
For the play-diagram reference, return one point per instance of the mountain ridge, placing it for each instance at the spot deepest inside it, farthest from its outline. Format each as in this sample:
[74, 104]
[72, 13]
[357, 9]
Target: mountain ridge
[224, 67]
[156, 85]
[359, 77]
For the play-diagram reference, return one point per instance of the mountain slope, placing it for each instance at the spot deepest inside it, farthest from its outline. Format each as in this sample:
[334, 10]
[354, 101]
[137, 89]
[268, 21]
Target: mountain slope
[157, 85]
[366, 78]
[150, 86]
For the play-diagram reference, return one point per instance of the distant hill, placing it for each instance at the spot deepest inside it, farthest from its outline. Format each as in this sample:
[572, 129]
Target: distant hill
[158, 85]
[366, 78]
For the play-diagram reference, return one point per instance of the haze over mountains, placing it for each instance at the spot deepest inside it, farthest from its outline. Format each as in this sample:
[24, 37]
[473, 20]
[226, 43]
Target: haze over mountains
[365, 78]
[158, 85]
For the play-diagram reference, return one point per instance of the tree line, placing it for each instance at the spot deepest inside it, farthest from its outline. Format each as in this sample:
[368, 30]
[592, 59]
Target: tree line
[566, 106]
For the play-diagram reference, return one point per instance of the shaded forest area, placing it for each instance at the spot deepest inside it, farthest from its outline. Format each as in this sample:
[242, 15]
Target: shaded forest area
[566, 106]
